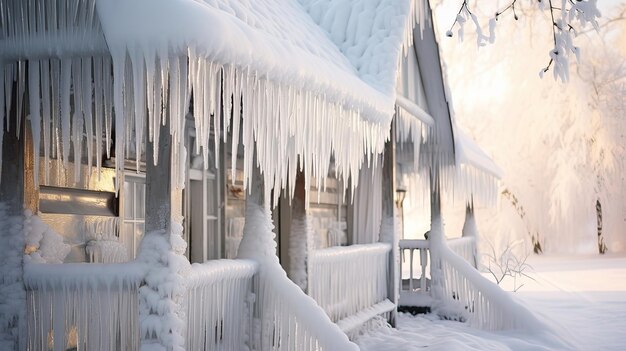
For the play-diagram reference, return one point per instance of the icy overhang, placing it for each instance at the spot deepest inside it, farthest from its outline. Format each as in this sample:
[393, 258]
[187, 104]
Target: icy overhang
[274, 39]
[43, 29]
[302, 101]
[477, 174]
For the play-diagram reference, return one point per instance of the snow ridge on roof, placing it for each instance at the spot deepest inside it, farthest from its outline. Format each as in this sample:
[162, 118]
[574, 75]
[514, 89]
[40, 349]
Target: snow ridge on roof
[370, 33]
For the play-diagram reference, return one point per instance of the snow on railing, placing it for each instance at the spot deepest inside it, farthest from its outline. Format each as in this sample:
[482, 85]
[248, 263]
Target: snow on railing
[347, 280]
[220, 299]
[466, 248]
[83, 306]
[481, 302]
[288, 319]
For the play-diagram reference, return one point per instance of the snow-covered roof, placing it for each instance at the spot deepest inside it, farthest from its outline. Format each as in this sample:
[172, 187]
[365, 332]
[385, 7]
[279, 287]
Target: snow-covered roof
[477, 175]
[320, 94]
[274, 38]
[469, 154]
[370, 33]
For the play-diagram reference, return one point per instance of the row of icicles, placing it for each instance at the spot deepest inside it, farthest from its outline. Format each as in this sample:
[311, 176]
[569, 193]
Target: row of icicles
[73, 104]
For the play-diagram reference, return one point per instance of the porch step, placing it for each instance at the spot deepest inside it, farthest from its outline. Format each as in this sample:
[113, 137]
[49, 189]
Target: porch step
[348, 324]
[415, 302]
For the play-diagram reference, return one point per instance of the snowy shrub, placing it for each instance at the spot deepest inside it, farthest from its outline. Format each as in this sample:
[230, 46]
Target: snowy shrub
[507, 263]
[12, 294]
[43, 245]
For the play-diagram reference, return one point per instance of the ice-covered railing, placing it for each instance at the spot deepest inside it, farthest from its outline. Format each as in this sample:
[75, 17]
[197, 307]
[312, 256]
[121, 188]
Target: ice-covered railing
[465, 247]
[347, 280]
[220, 302]
[83, 306]
[482, 303]
[414, 290]
[287, 319]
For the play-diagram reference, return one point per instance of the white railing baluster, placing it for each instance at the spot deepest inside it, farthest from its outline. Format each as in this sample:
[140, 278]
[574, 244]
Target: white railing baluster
[423, 263]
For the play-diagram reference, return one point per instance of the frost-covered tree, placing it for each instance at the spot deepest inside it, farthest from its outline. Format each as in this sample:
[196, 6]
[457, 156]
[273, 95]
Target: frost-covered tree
[560, 145]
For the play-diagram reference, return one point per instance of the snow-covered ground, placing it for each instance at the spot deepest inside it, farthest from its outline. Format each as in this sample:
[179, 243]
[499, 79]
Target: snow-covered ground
[582, 298]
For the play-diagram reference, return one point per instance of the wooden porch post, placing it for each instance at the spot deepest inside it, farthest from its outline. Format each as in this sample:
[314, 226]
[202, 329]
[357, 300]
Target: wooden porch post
[13, 320]
[436, 236]
[390, 232]
[159, 184]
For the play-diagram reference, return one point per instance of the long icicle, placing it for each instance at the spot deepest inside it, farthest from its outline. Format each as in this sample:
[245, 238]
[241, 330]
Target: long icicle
[47, 111]
[65, 89]
[34, 98]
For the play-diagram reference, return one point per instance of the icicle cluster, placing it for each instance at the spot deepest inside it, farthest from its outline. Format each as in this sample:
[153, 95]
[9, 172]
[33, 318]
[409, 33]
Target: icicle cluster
[472, 182]
[409, 130]
[70, 99]
[418, 15]
[69, 104]
[46, 28]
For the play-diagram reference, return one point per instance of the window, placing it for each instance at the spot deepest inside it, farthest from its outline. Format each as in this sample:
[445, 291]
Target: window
[133, 210]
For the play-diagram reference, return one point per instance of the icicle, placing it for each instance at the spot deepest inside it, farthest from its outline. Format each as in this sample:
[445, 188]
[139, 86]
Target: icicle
[7, 74]
[150, 91]
[118, 103]
[34, 97]
[139, 94]
[87, 101]
[56, 109]
[108, 102]
[21, 87]
[47, 110]
[65, 90]
[77, 117]
[99, 110]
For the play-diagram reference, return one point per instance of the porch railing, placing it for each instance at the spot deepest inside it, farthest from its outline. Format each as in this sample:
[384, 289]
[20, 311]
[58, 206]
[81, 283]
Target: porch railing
[415, 288]
[482, 303]
[83, 306]
[466, 248]
[230, 306]
[220, 303]
[288, 319]
[350, 281]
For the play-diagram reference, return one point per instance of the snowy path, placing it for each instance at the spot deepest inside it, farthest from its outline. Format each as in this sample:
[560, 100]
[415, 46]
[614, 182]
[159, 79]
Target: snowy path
[582, 298]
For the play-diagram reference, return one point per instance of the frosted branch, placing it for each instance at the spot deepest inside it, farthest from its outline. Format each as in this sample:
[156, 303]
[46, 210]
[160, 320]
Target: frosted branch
[567, 20]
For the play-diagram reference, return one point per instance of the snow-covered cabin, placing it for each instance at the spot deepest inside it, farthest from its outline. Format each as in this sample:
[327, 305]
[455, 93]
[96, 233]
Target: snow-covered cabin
[249, 138]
